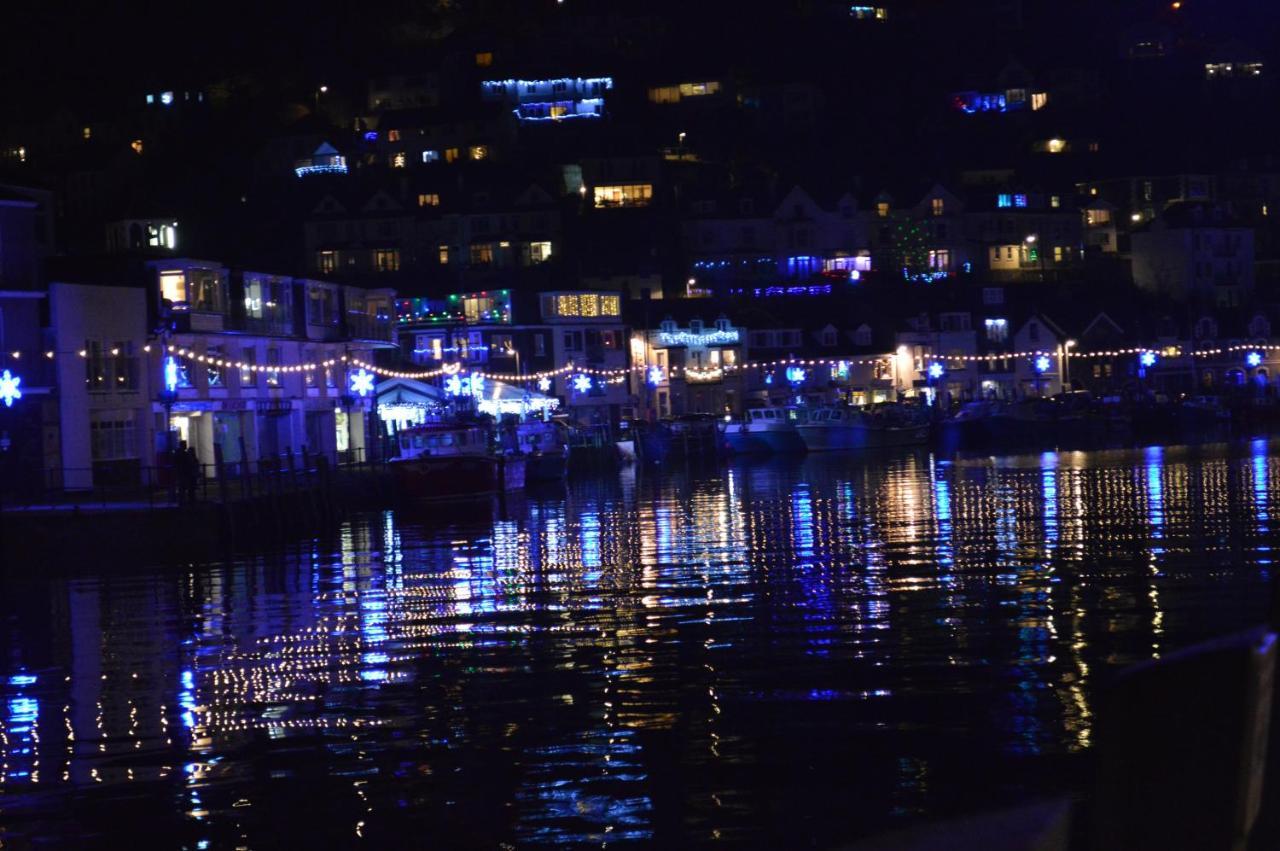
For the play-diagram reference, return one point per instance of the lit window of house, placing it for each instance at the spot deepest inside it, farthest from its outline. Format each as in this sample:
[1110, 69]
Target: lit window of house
[997, 330]
[450, 155]
[636, 195]
[1059, 254]
[539, 252]
[481, 254]
[1055, 201]
[136, 144]
[397, 161]
[1093, 218]
[87, 132]
[484, 60]
[479, 152]
[689, 90]
[393, 135]
[428, 199]
[443, 252]
[1039, 100]
[664, 94]
[936, 205]
[327, 261]
[386, 259]
[567, 305]
[882, 209]
[940, 260]
[610, 305]
[431, 156]
[1019, 200]
[173, 287]
[1004, 200]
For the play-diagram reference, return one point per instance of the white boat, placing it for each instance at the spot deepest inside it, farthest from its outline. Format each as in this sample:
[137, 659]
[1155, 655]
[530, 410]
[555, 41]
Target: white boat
[764, 430]
[836, 428]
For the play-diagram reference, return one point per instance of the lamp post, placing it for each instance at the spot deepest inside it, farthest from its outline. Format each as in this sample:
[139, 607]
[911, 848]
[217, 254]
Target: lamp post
[1066, 365]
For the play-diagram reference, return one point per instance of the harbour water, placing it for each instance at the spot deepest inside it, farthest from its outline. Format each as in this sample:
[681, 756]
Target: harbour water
[777, 652]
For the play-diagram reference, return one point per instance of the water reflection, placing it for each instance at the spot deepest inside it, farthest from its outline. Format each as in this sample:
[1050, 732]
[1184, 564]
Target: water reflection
[771, 653]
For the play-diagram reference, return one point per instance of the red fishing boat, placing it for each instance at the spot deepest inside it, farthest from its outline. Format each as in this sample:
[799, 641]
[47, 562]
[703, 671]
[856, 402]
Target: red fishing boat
[441, 461]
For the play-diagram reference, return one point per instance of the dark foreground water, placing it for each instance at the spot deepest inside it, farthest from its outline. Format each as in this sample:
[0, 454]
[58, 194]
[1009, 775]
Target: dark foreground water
[778, 653]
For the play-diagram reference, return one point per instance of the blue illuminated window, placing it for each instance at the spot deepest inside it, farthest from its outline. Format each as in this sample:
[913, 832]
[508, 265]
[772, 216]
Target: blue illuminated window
[1019, 200]
[1004, 200]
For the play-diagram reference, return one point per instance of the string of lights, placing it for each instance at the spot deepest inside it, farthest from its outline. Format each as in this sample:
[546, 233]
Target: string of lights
[692, 372]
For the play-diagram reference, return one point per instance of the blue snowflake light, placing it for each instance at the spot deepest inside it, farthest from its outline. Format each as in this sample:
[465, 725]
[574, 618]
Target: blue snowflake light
[1042, 363]
[361, 382]
[9, 392]
[582, 383]
[937, 370]
[1253, 359]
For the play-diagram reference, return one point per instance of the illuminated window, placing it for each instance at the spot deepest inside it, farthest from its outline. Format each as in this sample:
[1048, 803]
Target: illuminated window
[397, 161]
[940, 260]
[481, 253]
[589, 304]
[450, 155]
[428, 199]
[664, 94]
[443, 253]
[1039, 99]
[1055, 201]
[1056, 146]
[393, 135]
[690, 90]
[136, 144]
[567, 305]
[327, 261]
[637, 195]
[1093, 218]
[173, 287]
[936, 204]
[386, 259]
[610, 305]
[1058, 254]
[1019, 200]
[539, 251]
[882, 209]
[484, 60]
[87, 132]
[431, 156]
[1004, 200]
[479, 152]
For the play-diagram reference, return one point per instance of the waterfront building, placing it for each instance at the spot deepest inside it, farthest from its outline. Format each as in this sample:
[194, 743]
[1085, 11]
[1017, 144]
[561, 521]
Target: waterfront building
[243, 366]
[688, 369]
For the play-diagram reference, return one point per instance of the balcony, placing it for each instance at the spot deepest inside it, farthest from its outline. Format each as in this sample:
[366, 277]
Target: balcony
[379, 329]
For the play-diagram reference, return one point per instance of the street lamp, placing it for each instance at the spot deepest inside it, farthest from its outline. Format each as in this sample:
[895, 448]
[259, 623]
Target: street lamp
[1066, 364]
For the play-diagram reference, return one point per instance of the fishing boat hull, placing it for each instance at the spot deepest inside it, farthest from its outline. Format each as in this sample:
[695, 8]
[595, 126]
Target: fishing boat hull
[743, 441]
[440, 478]
[850, 436]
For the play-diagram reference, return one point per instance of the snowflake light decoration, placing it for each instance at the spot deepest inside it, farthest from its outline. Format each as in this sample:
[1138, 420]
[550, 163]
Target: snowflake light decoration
[582, 383]
[362, 382]
[9, 391]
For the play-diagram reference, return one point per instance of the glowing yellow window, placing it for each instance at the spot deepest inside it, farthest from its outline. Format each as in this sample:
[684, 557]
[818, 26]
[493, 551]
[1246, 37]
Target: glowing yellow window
[610, 305]
[567, 305]
[484, 60]
[450, 155]
[444, 255]
[397, 161]
[428, 199]
[479, 152]
[882, 209]
[173, 286]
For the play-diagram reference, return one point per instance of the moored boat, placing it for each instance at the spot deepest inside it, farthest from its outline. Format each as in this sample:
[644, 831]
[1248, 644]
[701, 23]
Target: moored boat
[846, 428]
[764, 430]
[441, 461]
[545, 448]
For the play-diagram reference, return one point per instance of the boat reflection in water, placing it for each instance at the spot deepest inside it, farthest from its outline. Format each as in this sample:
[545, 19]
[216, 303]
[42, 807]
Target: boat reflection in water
[785, 652]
